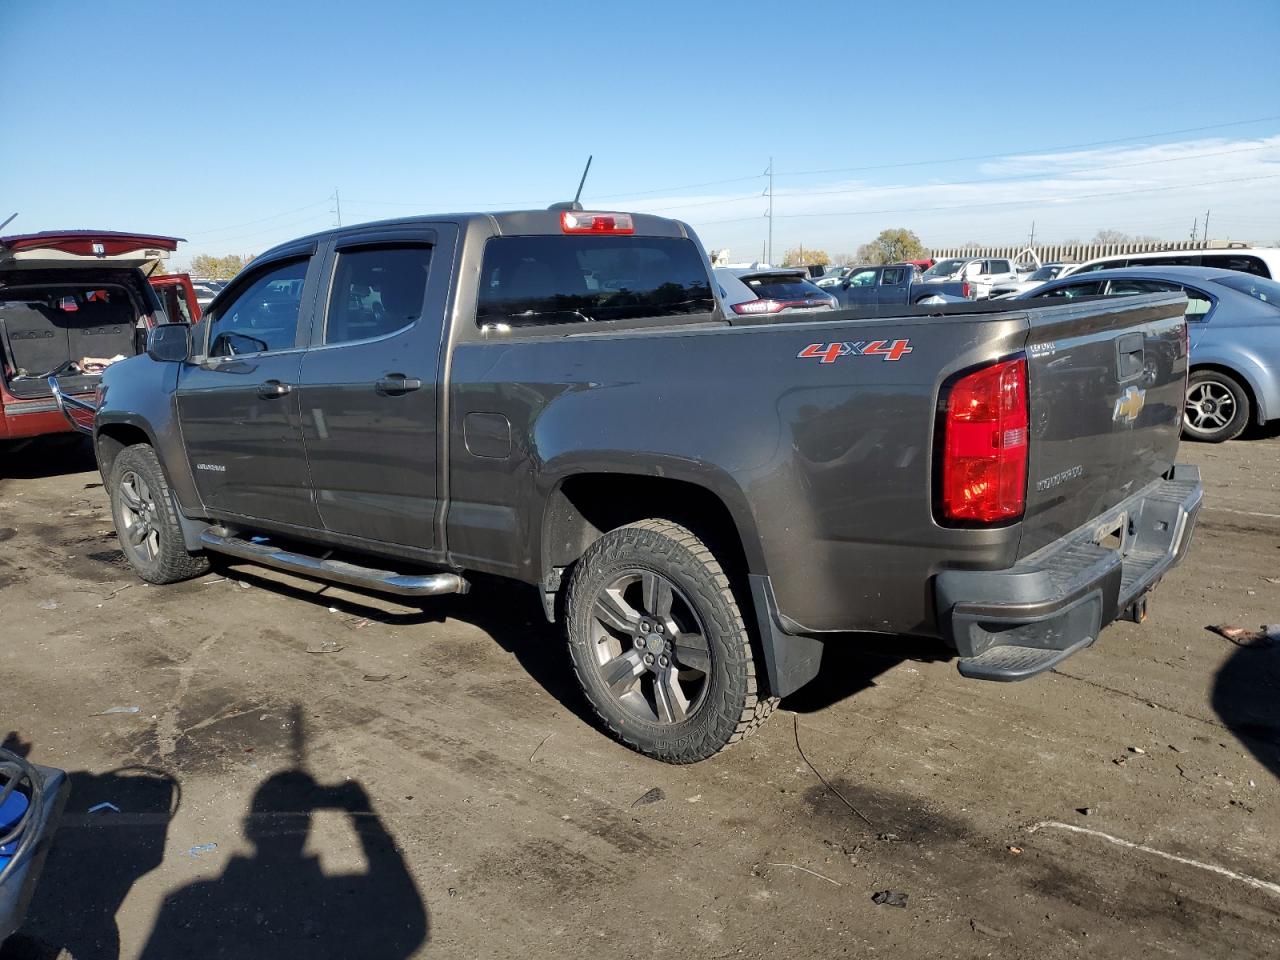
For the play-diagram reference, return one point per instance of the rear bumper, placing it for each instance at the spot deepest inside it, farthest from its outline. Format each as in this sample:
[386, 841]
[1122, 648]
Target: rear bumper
[1012, 624]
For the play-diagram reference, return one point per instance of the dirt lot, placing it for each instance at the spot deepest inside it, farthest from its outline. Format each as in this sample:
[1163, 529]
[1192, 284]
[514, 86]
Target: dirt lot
[433, 788]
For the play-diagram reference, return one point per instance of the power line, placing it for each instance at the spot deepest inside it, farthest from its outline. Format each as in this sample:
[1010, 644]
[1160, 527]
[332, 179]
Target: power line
[249, 223]
[1014, 153]
[1002, 203]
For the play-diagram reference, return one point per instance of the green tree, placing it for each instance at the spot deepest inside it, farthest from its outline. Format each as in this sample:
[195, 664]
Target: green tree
[891, 246]
[209, 267]
[803, 256]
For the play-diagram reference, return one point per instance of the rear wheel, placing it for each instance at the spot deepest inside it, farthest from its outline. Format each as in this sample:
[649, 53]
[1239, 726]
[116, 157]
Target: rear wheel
[659, 645]
[147, 520]
[1217, 407]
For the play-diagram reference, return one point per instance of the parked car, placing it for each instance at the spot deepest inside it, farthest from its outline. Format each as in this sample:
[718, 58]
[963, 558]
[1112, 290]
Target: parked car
[765, 291]
[981, 273]
[1235, 339]
[73, 302]
[559, 398]
[1041, 275]
[1260, 261]
[179, 297]
[206, 290]
[896, 284]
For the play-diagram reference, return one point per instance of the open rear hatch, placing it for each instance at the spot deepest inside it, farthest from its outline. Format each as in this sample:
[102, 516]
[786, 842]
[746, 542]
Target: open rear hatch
[1106, 391]
[72, 303]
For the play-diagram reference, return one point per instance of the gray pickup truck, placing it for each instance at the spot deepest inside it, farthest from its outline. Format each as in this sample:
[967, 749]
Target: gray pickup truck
[896, 285]
[703, 499]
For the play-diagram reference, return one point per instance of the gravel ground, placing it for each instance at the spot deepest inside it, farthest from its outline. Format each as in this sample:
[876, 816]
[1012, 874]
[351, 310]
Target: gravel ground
[433, 786]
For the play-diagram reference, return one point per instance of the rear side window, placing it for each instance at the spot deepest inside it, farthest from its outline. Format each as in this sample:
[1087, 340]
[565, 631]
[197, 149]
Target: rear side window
[1167, 260]
[376, 291]
[782, 288]
[1245, 264]
[1102, 265]
[526, 281]
[1070, 291]
[893, 276]
[1126, 285]
[261, 317]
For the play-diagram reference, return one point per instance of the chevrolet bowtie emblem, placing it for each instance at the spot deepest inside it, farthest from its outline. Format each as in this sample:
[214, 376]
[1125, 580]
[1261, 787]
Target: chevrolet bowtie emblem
[1129, 404]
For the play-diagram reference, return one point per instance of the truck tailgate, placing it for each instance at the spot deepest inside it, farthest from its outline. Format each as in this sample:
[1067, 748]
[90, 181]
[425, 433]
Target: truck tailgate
[1105, 389]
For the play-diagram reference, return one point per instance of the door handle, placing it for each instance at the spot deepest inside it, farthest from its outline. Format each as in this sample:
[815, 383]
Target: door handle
[273, 388]
[397, 383]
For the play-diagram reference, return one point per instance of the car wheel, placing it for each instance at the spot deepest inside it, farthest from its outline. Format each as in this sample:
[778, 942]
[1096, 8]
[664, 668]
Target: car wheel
[146, 519]
[1217, 407]
[659, 644]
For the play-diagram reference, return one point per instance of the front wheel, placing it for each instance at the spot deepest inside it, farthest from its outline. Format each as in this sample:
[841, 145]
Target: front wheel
[147, 520]
[1217, 407]
[659, 644]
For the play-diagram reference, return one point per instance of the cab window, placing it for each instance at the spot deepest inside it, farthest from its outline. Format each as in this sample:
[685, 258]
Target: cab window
[863, 278]
[263, 316]
[376, 291]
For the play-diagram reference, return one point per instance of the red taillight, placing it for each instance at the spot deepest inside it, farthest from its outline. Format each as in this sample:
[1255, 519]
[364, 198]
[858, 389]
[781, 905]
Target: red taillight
[576, 221]
[964, 289]
[984, 447]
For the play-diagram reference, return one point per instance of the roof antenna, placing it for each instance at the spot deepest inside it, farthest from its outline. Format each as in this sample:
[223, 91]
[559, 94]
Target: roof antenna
[14, 214]
[574, 204]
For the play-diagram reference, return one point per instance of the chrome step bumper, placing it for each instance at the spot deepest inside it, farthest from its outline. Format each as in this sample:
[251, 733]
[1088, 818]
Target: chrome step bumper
[335, 571]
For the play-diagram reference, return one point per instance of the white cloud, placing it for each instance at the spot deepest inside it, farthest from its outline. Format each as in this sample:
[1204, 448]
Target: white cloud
[1157, 190]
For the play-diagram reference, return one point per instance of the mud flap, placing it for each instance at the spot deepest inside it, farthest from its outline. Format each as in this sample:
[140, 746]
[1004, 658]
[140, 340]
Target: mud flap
[790, 660]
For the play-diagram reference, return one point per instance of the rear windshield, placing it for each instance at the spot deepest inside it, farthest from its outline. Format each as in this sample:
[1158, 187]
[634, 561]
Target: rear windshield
[1268, 291]
[570, 279]
[782, 288]
[944, 268]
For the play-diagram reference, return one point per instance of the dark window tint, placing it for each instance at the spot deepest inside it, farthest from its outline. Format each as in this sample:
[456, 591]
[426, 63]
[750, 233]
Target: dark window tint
[1088, 289]
[894, 276]
[262, 316]
[1245, 264]
[1268, 291]
[1167, 260]
[782, 288]
[533, 280]
[1104, 265]
[376, 291]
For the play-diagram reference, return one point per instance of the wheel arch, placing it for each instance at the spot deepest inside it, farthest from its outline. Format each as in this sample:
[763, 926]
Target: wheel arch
[583, 506]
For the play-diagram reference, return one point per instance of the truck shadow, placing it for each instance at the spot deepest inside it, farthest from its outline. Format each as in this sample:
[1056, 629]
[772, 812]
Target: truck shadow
[54, 456]
[1246, 696]
[851, 662]
[274, 903]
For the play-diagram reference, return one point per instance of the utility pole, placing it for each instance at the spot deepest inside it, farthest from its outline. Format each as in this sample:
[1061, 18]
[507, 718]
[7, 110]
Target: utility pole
[1205, 244]
[1032, 241]
[802, 254]
[1195, 229]
[769, 258]
[337, 206]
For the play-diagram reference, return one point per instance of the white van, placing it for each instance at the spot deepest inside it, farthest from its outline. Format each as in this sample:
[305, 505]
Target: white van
[1260, 261]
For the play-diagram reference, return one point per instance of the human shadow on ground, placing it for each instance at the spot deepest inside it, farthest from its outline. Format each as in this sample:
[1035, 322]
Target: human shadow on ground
[275, 903]
[1246, 696]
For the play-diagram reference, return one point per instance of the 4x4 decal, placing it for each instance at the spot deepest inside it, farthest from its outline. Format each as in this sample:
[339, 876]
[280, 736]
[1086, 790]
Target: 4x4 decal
[830, 352]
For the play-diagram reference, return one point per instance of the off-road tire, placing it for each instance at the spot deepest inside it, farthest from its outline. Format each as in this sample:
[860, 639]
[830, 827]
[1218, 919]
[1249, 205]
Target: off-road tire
[1239, 396]
[171, 562]
[733, 705]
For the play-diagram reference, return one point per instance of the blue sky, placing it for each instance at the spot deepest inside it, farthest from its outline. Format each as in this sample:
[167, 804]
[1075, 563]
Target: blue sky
[233, 130]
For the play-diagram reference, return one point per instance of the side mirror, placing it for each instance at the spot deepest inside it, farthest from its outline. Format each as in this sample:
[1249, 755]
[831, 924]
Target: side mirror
[844, 284]
[170, 343]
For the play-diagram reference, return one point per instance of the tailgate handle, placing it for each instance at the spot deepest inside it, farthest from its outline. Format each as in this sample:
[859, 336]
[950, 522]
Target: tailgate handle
[1129, 356]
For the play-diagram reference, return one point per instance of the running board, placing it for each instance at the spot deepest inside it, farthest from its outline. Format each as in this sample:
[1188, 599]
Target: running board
[337, 571]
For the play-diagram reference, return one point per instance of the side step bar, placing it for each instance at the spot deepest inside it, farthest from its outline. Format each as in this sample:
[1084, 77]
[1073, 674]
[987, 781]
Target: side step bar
[337, 571]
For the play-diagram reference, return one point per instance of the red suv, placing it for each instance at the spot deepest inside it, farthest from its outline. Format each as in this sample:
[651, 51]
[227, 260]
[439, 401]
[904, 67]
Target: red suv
[72, 303]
